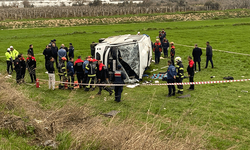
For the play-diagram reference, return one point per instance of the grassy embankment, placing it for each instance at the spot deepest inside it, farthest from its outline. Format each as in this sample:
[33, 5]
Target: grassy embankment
[220, 111]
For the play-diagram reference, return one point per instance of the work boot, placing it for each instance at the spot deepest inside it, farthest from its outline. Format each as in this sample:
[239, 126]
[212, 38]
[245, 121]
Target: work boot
[99, 93]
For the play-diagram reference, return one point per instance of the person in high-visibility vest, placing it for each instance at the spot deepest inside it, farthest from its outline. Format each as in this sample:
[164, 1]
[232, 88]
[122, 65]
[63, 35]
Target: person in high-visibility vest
[180, 74]
[91, 68]
[9, 61]
[62, 72]
[14, 53]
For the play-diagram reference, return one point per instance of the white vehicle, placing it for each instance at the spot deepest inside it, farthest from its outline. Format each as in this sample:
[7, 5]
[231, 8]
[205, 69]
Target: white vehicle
[132, 52]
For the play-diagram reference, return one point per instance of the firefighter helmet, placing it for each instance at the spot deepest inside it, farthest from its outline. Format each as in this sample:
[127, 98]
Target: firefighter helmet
[178, 59]
[63, 58]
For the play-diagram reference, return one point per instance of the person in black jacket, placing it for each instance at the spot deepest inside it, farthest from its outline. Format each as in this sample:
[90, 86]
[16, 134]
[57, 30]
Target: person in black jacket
[165, 46]
[17, 65]
[103, 77]
[91, 68]
[23, 67]
[209, 55]
[119, 78]
[180, 74]
[157, 50]
[51, 72]
[54, 50]
[197, 52]
[78, 68]
[30, 50]
[190, 71]
[92, 48]
[31, 66]
[47, 53]
[71, 50]
[172, 52]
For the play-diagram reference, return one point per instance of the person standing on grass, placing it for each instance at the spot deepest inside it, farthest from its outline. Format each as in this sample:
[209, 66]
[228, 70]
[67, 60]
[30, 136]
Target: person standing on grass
[162, 35]
[23, 67]
[165, 46]
[92, 68]
[54, 50]
[197, 52]
[92, 48]
[78, 68]
[157, 50]
[51, 73]
[119, 78]
[9, 61]
[31, 66]
[62, 53]
[172, 52]
[209, 55]
[180, 74]
[62, 72]
[14, 52]
[17, 66]
[47, 53]
[30, 50]
[71, 50]
[103, 78]
[71, 72]
[171, 76]
[190, 71]
[85, 76]
[67, 50]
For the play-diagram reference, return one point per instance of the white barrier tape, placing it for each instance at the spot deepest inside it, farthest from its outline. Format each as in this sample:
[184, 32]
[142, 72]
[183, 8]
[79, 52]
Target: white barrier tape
[184, 83]
[217, 50]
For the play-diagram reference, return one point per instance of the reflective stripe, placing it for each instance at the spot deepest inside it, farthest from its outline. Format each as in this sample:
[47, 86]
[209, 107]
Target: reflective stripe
[92, 75]
[181, 68]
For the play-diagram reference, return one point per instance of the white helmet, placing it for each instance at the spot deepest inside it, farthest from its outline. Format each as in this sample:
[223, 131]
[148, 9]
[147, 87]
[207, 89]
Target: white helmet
[178, 59]
[8, 49]
[11, 46]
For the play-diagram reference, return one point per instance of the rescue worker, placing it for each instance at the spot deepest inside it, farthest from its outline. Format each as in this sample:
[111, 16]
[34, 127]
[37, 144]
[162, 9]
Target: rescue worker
[14, 53]
[54, 50]
[162, 35]
[92, 68]
[62, 72]
[23, 67]
[30, 50]
[78, 68]
[190, 70]
[31, 66]
[67, 50]
[62, 53]
[180, 74]
[119, 78]
[9, 61]
[71, 72]
[172, 52]
[92, 48]
[171, 76]
[85, 76]
[51, 73]
[17, 65]
[209, 55]
[103, 78]
[197, 52]
[71, 50]
[165, 46]
[47, 53]
[157, 50]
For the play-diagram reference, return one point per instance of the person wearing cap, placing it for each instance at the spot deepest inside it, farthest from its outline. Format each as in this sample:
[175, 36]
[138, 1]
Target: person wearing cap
[157, 50]
[79, 71]
[54, 50]
[138, 33]
[14, 52]
[17, 67]
[165, 46]
[30, 50]
[91, 68]
[171, 76]
[47, 53]
[62, 72]
[9, 61]
[51, 73]
[197, 52]
[31, 66]
[61, 53]
[71, 72]
[103, 78]
[119, 77]
[180, 74]
[190, 70]
[85, 76]
[71, 51]
[23, 67]
[172, 52]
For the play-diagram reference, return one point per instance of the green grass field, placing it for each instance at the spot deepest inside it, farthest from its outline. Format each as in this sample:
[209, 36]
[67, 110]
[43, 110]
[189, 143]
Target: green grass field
[221, 111]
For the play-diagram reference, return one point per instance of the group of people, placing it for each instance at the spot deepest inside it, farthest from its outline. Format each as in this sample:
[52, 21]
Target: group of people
[175, 72]
[88, 71]
[17, 62]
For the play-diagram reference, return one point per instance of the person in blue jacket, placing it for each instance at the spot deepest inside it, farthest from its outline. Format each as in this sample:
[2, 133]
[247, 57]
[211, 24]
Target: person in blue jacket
[119, 78]
[70, 71]
[171, 76]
